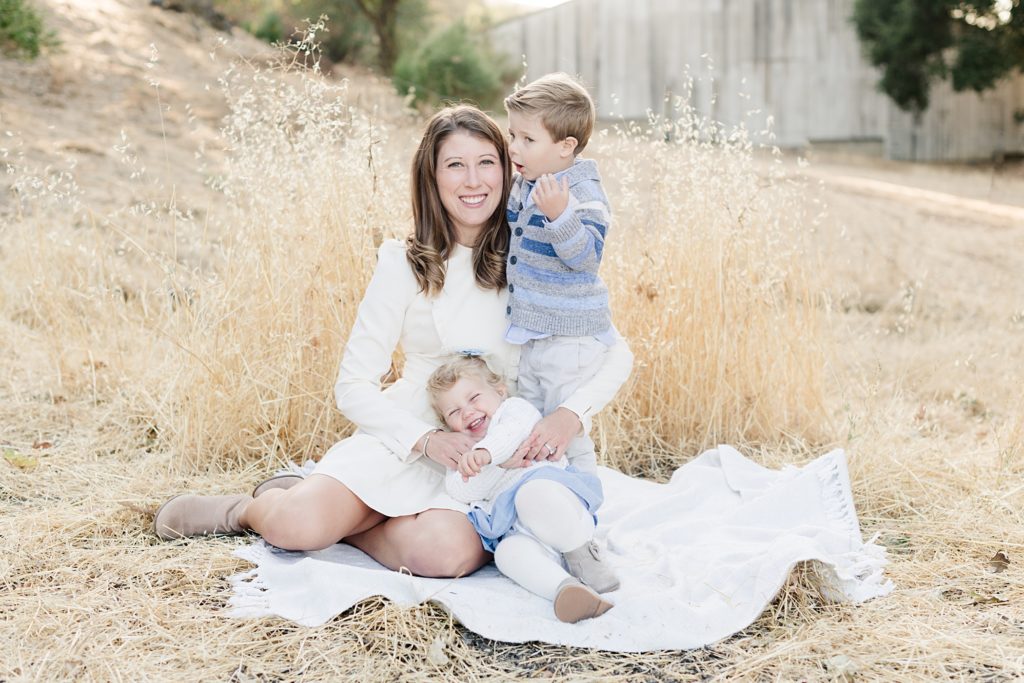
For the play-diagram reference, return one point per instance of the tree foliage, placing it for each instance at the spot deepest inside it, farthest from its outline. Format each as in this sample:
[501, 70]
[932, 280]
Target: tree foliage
[450, 66]
[915, 42]
[363, 31]
[394, 22]
[349, 33]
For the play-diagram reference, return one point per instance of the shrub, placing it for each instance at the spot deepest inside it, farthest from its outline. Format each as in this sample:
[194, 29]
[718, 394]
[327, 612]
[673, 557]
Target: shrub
[348, 38]
[270, 28]
[449, 66]
[22, 33]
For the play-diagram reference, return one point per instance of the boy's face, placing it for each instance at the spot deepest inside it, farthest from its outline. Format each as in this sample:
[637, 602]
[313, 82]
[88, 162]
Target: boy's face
[469, 405]
[532, 150]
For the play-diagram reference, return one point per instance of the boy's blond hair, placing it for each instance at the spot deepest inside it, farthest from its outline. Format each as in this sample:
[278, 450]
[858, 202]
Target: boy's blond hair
[563, 105]
[459, 367]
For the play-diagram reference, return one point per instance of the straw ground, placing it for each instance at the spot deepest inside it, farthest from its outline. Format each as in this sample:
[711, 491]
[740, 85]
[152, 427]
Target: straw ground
[175, 321]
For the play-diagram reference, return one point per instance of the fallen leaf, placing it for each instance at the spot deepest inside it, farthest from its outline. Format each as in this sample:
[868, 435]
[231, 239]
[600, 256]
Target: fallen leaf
[22, 462]
[999, 562]
[42, 444]
[982, 599]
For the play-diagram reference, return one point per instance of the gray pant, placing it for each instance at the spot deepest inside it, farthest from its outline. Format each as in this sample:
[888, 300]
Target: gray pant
[550, 371]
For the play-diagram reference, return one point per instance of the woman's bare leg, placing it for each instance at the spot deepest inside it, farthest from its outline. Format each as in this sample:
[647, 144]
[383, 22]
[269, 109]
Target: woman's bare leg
[437, 543]
[312, 515]
[320, 511]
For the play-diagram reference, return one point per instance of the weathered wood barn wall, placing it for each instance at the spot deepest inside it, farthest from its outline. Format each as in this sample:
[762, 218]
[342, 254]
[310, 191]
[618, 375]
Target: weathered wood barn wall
[798, 61]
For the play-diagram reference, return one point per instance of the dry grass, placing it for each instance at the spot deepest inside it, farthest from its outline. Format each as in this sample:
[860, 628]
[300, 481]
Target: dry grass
[186, 336]
[715, 282]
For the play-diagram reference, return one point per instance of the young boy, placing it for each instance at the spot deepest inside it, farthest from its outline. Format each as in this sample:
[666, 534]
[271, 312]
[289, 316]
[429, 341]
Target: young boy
[559, 216]
[538, 521]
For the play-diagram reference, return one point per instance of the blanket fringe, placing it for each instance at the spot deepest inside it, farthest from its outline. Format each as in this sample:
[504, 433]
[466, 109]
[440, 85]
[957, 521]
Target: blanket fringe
[251, 597]
[856, 575]
[836, 492]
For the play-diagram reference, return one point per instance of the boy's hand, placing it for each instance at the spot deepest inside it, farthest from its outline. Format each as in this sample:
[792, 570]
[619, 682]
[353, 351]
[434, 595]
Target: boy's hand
[550, 196]
[472, 462]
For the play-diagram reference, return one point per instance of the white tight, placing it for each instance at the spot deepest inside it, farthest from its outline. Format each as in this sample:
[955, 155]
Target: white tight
[555, 515]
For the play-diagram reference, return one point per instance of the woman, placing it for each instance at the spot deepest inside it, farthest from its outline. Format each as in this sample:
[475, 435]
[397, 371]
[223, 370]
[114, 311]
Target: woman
[439, 293]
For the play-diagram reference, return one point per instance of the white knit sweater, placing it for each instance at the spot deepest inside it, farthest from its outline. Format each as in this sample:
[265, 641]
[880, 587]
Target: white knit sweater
[510, 425]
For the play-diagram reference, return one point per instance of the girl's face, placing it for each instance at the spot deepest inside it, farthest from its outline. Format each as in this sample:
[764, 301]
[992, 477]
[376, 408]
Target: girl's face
[469, 405]
[469, 183]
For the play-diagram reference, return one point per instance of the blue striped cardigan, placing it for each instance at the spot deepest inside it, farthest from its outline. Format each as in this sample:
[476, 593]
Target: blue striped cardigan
[553, 285]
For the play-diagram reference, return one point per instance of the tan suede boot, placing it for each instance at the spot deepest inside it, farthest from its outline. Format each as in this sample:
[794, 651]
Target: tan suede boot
[189, 515]
[586, 564]
[279, 481]
[576, 602]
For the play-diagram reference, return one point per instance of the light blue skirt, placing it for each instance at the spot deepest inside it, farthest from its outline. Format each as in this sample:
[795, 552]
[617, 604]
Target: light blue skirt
[494, 526]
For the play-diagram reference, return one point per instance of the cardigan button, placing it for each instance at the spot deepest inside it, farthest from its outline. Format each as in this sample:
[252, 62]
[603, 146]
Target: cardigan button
[519, 231]
[508, 310]
[511, 287]
[513, 260]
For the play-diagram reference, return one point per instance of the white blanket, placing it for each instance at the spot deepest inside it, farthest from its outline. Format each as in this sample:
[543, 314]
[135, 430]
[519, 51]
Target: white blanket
[699, 559]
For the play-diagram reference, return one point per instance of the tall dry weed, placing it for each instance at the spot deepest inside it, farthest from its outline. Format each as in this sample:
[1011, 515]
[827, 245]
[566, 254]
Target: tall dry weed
[1011, 444]
[309, 198]
[82, 293]
[715, 284]
[235, 320]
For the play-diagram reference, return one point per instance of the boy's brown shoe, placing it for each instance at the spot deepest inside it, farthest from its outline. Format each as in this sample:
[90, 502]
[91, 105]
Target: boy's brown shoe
[586, 564]
[576, 602]
[190, 515]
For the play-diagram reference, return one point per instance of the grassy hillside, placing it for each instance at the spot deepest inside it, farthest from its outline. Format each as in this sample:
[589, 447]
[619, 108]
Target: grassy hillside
[186, 229]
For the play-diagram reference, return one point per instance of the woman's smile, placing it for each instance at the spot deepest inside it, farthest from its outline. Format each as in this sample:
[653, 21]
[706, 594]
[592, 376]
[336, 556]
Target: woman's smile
[473, 200]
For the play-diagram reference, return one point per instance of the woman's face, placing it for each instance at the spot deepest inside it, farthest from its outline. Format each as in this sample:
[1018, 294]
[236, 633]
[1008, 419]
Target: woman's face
[469, 182]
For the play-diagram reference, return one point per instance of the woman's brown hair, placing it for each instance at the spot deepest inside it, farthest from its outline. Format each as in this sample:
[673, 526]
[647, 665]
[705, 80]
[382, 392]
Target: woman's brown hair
[433, 239]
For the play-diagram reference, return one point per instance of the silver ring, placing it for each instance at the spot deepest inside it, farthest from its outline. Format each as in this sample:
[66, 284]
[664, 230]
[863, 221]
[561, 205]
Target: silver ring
[551, 451]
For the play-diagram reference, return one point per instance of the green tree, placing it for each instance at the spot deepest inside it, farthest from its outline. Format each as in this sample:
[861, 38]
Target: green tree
[914, 42]
[357, 30]
[387, 18]
[348, 32]
[383, 15]
[395, 24]
[451, 65]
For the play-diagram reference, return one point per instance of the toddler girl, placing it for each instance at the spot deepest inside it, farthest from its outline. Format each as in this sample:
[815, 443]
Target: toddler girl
[538, 521]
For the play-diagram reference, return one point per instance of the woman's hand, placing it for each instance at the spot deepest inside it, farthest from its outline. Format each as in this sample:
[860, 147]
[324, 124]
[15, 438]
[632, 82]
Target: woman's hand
[445, 448]
[549, 438]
